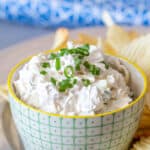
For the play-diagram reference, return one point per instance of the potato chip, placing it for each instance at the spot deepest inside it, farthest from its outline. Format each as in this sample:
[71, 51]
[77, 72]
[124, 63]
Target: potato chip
[139, 48]
[85, 38]
[145, 122]
[146, 110]
[61, 38]
[117, 37]
[107, 19]
[143, 144]
[147, 97]
[142, 132]
[3, 92]
[133, 34]
[106, 48]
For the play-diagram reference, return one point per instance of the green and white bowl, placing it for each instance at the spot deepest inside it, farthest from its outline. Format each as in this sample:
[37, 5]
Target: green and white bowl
[114, 130]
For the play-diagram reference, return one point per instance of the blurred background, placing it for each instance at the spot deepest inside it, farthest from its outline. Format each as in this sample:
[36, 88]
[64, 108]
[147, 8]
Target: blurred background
[24, 19]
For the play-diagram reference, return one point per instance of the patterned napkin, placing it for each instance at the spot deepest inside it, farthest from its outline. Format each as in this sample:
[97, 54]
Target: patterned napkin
[49, 13]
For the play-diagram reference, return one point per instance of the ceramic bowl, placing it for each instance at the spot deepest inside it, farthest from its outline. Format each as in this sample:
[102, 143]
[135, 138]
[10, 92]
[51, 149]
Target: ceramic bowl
[107, 131]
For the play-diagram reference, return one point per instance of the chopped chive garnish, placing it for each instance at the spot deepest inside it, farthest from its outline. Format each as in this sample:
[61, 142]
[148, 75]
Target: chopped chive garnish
[84, 49]
[106, 64]
[92, 68]
[53, 56]
[53, 80]
[43, 72]
[45, 65]
[77, 61]
[86, 64]
[61, 89]
[74, 81]
[72, 51]
[63, 52]
[69, 71]
[85, 46]
[57, 64]
[81, 51]
[86, 82]
[64, 85]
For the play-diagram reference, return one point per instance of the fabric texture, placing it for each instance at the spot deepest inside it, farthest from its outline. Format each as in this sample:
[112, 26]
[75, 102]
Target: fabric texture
[75, 13]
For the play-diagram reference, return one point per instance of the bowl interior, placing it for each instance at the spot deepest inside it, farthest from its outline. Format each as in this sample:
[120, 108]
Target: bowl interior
[136, 81]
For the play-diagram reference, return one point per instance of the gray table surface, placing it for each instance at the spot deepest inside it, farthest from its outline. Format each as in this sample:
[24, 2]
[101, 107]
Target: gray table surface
[13, 33]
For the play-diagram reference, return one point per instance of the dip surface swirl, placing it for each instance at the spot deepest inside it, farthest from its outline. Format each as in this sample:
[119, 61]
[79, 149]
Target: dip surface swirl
[77, 80]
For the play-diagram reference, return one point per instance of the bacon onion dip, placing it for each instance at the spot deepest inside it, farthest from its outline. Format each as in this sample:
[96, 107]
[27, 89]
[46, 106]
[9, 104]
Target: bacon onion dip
[77, 80]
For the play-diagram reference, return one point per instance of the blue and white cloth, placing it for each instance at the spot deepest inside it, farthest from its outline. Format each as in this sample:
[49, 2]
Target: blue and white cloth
[74, 13]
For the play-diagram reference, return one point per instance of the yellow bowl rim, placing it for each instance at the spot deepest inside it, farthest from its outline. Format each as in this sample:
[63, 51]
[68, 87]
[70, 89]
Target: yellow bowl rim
[12, 93]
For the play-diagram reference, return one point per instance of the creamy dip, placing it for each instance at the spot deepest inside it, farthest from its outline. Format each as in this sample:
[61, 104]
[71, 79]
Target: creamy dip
[77, 80]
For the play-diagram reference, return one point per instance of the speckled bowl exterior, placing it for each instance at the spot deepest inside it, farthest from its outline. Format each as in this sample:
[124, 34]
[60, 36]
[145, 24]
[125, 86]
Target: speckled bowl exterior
[109, 131]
